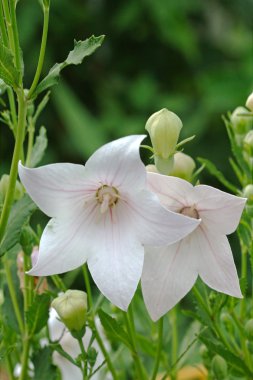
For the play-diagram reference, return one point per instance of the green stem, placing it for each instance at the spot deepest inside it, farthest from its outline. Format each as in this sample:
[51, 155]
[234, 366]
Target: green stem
[173, 322]
[243, 276]
[42, 51]
[58, 282]
[10, 367]
[14, 164]
[28, 284]
[84, 356]
[12, 109]
[131, 331]
[25, 357]
[3, 27]
[87, 285]
[159, 349]
[31, 131]
[13, 293]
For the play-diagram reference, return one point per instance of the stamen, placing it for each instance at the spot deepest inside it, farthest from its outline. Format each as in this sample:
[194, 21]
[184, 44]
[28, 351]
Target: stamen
[190, 211]
[107, 197]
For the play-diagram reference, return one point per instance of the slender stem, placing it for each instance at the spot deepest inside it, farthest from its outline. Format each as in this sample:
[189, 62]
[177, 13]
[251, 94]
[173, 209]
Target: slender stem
[87, 285]
[243, 276]
[12, 108]
[31, 131]
[25, 357]
[159, 349]
[42, 51]
[173, 322]
[58, 282]
[10, 367]
[84, 356]
[14, 165]
[17, 54]
[95, 329]
[28, 283]
[13, 293]
[131, 331]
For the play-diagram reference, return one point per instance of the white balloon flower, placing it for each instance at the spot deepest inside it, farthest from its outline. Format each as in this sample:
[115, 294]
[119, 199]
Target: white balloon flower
[101, 213]
[169, 272]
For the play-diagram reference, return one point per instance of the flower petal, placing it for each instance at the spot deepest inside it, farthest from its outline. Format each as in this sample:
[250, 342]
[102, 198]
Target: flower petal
[65, 244]
[216, 264]
[57, 189]
[117, 258]
[118, 163]
[174, 193]
[168, 275]
[219, 211]
[154, 224]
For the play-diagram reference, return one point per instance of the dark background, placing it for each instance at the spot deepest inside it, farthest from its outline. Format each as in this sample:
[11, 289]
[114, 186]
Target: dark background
[192, 56]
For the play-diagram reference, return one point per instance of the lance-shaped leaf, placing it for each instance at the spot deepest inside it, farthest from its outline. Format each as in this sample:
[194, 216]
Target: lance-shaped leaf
[81, 50]
[8, 72]
[20, 214]
[39, 147]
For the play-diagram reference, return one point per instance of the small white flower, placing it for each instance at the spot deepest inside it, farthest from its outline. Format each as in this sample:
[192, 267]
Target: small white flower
[171, 271]
[101, 213]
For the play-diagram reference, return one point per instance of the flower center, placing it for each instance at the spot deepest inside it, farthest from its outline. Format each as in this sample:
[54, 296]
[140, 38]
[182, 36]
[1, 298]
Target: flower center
[107, 197]
[190, 211]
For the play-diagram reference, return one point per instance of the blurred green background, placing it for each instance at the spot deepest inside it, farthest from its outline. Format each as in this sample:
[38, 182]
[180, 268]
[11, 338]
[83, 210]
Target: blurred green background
[192, 56]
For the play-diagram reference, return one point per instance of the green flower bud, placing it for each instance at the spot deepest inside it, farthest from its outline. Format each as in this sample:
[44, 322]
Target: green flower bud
[164, 166]
[219, 367]
[4, 183]
[248, 192]
[248, 143]
[249, 329]
[240, 120]
[71, 308]
[203, 351]
[164, 128]
[183, 166]
[249, 102]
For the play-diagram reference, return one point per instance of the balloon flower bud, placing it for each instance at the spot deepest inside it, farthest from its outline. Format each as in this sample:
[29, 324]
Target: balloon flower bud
[219, 367]
[183, 166]
[241, 121]
[164, 127]
[248, 193]
[249, 102]
[248, 143]
[72, 308]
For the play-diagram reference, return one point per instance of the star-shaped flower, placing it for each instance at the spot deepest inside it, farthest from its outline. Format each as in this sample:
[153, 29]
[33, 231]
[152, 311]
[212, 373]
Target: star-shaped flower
[101, 213]
[169, 272]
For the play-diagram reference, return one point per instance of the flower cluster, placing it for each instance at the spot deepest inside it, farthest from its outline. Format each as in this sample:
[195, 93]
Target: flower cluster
[127, 224]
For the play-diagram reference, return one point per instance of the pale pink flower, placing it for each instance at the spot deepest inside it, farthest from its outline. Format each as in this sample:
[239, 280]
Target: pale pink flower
[101, 213]
[169, 272]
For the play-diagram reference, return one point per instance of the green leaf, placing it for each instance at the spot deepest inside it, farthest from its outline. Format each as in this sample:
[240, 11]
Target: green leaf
[43, 367]
[216, 173]
[8, 73]
[81, 50]
[57, 347]
[20, 214]
[39, 147]
[38, 313]
[113, 329]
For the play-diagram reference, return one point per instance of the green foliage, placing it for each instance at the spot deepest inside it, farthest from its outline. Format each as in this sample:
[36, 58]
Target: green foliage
[8, 73]
[38, 313]
[20, 214]
[43, 367]
[81, 50]
[39, 147]
[113, 329]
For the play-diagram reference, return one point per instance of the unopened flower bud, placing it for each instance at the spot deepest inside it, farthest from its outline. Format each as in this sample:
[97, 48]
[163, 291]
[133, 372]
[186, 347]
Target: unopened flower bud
[164, 165]
[249, 102]
[219, 367]
[183, 166]
[71, 308]
[163, 127]
[248, 143]
[4, 183]
[248, 192]
[249, 329]
[241, 121]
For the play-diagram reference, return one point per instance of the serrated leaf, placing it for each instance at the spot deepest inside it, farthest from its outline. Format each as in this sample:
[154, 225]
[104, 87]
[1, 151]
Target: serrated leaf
[8, 72]
[38, 313]
[113, 329]
[20, 214]
[81, 50]
[39, 147]
[217, 174]
[43, 367]
[3, 87]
